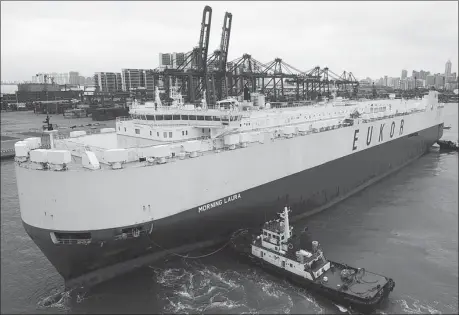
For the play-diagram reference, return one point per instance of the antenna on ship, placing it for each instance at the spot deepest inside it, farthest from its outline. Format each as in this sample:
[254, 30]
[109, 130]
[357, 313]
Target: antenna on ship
[284, 216]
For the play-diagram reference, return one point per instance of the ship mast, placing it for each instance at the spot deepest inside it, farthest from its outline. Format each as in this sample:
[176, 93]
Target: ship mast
[284, 216]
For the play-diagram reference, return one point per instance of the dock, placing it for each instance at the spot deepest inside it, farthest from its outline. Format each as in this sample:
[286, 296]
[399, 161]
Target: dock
[17, 126]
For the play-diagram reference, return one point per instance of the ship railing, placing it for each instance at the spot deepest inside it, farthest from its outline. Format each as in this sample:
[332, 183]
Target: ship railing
[193, 123]
[67, 136]
[71, 241]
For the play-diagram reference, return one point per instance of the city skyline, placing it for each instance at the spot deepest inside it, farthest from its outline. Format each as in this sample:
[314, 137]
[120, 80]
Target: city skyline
[371, 48]
[358, 78]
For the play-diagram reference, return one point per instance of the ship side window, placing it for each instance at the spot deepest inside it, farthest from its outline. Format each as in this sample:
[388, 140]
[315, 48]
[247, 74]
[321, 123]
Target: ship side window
[164, 134]
[150, 133]
[137, 131]
[157, 134]
[124, 129]
[183, 133]
[119, 128]
[200, 117]
[186, 132]
[176, 117]
[170, 134]
[202, 130]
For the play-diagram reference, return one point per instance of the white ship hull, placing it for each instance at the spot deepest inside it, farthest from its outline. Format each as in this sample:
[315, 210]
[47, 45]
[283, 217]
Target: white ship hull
[203, 199]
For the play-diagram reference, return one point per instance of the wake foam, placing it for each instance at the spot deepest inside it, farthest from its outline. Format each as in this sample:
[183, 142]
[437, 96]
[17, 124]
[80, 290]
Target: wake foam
[198, 288]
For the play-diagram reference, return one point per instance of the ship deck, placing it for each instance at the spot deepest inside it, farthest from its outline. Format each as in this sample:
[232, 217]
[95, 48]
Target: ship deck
[101, 142]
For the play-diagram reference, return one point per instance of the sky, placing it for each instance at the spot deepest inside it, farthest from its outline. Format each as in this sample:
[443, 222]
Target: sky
[369, 39]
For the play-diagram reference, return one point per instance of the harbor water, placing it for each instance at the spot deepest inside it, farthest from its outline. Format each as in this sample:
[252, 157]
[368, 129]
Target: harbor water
[404, 227]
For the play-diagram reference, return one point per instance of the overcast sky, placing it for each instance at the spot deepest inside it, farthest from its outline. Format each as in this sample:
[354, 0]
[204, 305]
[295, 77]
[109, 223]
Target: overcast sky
[367, 38]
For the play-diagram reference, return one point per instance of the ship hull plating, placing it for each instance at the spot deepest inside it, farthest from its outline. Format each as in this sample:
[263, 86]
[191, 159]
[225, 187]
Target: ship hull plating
[305, 192]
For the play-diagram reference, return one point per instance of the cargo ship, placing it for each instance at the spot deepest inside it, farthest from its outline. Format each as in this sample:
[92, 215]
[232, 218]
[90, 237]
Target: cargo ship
[169, 179]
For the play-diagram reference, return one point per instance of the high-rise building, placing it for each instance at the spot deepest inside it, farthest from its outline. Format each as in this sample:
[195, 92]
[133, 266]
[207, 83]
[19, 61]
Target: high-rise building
[89, 81]
[165, 60]
[74, 77]
[415, 74]
[430, 80]
[149, 81]
[131, 79]
[108, 81]
[81, 80]
[396, 83]
[177, 59]
[448, 68]
[174, 60]
[404, 74]
[439, 81]
[423, 74]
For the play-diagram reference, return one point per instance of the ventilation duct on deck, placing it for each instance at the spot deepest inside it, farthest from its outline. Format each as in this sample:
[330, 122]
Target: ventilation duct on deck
[159, 152]
[21, 151]
[192, 147]
[231, 141]
[39, 159]
[116, 157]
[58, 159]
[33, 143]
[79, 133]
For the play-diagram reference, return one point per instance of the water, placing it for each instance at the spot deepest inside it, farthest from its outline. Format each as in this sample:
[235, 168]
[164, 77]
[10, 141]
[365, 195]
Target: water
[404, 227]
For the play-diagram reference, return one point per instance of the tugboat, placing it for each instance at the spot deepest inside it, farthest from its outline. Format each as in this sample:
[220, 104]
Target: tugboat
[302, 261]
[447, 145]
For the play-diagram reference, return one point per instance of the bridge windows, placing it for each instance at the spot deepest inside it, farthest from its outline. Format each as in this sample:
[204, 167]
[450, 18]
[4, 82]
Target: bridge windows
[137, 131]
[176, 117]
